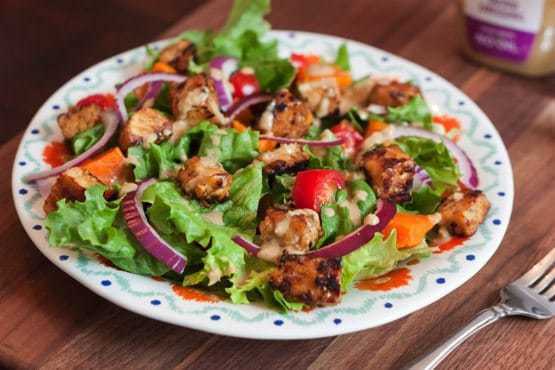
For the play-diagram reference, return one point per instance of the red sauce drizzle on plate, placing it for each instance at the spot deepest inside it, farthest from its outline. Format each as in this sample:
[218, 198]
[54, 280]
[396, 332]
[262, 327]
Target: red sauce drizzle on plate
[190, 294]
[55, 154]
[391, 280]
[450, 244]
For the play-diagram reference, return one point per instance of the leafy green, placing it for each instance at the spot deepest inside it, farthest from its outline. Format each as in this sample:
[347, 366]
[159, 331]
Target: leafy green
[238, 293]
[376, 258]
[342, 58]
[233, 149]
[152, 56]
[336, 218]
[282, 187]
[158, 160]
[434, 157]
[246, 191]
[436, 160]
[330, 158]
[171, 213]
[424, 200]
[415, 111]
[96, 225]
[241, 38]
[83, 141]
[285, 304]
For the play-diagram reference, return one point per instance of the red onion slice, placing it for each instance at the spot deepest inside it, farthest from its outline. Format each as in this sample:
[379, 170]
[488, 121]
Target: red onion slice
[349, 243]
[248, 101]
[138, 81]
[421, 178]
[151, 93]
[136, 220]
[110, 120]
[220, 70]
[469, 175]
[286, 140]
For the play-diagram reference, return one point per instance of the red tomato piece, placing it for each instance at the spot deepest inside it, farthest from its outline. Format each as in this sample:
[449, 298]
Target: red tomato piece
[244, 84]
[102, 100]
[301, 61]
[314, 188]
[351, 137]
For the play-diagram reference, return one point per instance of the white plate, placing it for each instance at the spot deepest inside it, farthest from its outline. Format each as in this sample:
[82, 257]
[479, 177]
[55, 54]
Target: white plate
[432, 279]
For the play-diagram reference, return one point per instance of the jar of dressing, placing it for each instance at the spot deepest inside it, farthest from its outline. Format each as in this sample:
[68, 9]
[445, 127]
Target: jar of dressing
[513, 35]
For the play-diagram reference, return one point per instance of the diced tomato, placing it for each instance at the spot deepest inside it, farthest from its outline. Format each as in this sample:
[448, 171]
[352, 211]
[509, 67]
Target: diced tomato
[301, 61]
[448, 122]
[102, 100]
[108, 167]
[351, 137]
[244, 84]
[313, 188]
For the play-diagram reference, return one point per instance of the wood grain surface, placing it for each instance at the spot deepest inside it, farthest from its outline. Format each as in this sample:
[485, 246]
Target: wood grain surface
[48, 320]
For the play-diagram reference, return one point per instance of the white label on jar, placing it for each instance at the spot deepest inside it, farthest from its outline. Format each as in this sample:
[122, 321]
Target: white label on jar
[520, 15]
[505, 29]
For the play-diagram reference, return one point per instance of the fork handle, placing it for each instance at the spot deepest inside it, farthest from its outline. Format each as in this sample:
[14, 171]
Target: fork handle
[483, 319]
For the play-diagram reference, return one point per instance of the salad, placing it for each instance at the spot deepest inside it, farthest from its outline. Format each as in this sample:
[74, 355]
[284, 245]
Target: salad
[226, 167]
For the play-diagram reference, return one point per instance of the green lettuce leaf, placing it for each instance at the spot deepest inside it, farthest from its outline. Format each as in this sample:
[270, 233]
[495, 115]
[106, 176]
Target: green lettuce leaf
[376, 258]
[335, 217]
[83, 141]
[241, 37]
[246, 191]
[158, 160]
[282, 187]
[234, 150]
[432, 156]
[171, 213]
[342, 58]
[96, 225]
[415, 111]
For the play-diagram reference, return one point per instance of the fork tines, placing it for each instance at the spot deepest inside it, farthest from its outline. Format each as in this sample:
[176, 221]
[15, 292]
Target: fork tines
[541, 277]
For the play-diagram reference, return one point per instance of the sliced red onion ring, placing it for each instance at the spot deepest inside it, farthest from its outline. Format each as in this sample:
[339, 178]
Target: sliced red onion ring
[349, 243]
[220, 70]
[469, 175]
[248, 101]
[286, 140]
[421, 178]
[136, 220]
[138, 81]
[110, 120]
[151, 93]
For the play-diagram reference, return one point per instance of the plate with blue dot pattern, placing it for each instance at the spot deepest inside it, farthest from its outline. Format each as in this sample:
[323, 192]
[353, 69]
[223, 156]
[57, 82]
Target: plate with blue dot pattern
[431, 279]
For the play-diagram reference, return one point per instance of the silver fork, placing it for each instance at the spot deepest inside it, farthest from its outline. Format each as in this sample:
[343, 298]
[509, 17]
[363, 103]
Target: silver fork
[533, 295]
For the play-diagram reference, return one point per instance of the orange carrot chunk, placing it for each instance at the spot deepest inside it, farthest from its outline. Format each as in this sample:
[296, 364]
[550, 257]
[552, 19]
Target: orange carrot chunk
[375, 126]
[107, 167]
[411, 229]
[163, 67]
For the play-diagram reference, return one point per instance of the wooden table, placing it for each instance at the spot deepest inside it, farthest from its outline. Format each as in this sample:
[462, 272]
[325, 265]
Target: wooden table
[49, 320]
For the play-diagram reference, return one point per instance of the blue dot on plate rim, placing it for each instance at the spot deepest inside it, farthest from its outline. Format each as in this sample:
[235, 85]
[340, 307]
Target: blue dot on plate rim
[55, 107]
[86, 79]
[64, 257]
[440, 280]
[35, 131]
[428, 78]
[23, 191]
[215, 317]
[470, 257]
[106, 282]
[501, 193]
[119, 60]
[461, 102]
[22, 163]
[496, 221]
[385, 58]
[155, 302]
[37, 227]
[497, 162]
[388, 305]
[337, 321]
[487, 136]
[278, 322]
